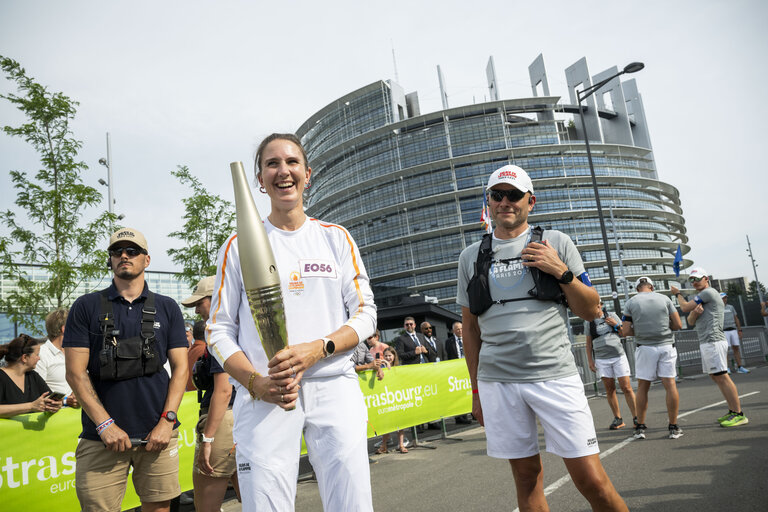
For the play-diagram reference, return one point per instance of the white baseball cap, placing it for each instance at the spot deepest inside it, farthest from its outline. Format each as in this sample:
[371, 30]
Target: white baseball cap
[512, 175]
[643, 279]
[698, 273]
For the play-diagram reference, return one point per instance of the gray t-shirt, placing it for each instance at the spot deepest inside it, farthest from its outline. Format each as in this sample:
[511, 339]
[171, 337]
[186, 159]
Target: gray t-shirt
[728, 321]
[527, 340]
[709, 325]
[649, 313]
[607, 344]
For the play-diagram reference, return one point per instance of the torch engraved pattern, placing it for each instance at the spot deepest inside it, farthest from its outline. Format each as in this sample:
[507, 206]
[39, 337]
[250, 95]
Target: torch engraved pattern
[257, 264]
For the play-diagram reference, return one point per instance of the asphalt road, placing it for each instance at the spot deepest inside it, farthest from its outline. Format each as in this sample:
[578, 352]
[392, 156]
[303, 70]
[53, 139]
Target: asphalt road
[709, 469]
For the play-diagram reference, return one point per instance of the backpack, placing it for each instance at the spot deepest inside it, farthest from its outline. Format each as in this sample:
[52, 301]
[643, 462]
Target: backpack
[545, 286]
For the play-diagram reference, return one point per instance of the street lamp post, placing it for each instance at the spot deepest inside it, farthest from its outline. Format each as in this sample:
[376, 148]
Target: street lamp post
[107, 162]
[632, 67]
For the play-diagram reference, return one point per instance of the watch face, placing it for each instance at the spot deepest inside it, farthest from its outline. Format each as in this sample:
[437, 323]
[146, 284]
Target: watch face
[170, 416]
[330, 347]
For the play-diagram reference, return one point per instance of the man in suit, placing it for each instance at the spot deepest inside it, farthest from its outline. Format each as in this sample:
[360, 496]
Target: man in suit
[454, 345]
[411, 346]
[435, 347]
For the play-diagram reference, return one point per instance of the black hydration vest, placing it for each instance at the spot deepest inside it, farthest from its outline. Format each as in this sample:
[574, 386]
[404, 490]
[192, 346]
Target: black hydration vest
[126, 358]
[545, 286]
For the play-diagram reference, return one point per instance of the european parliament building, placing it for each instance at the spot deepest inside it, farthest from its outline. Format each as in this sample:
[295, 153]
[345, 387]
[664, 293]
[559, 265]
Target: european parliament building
[409, 186]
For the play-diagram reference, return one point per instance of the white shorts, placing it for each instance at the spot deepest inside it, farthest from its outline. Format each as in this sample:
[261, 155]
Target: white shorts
[510, 410]
[714, 357]
[332, 413]
[613, 367]
[652, 361]
[732, 337]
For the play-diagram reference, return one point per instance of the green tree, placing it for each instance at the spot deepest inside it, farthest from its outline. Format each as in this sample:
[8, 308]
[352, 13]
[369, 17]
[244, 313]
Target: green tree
[752, 294]
[209, 220]
[48, 231]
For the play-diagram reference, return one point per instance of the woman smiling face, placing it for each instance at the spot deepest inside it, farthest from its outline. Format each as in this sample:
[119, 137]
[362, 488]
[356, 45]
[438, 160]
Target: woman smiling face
[284, 174]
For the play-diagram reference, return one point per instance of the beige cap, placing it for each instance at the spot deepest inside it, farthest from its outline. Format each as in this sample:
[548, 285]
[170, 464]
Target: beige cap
[128, 235]
[203, 289]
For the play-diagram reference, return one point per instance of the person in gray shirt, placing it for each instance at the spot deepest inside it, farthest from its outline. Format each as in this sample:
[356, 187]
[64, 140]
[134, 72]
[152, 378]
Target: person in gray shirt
[732, 331]
[518, 353]
[606, 357]
[651, 317]
[706, 314]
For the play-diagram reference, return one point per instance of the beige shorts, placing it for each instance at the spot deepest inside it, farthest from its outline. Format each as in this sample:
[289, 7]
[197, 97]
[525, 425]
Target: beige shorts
[101, 475]
[222, 458]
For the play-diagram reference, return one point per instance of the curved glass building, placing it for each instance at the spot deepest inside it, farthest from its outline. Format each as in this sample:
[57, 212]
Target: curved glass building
[409, 186]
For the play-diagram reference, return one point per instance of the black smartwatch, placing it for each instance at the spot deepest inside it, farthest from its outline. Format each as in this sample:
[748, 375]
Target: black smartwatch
[566, 278]
[329, 347]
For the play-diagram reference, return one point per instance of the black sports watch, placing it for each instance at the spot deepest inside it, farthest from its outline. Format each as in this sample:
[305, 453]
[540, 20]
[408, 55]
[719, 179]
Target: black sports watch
[169, 416]
[329, 347]
[566, 278]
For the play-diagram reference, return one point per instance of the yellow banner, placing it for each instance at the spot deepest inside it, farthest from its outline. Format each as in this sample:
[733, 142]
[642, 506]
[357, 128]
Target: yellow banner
[37, 453]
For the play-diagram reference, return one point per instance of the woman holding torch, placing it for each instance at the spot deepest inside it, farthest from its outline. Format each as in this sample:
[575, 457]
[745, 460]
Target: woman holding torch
[310, 386]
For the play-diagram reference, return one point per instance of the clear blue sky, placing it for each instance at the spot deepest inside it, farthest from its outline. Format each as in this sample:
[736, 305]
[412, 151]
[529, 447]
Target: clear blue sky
[200, 83]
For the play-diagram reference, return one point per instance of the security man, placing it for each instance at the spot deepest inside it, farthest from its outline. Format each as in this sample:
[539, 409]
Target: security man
[116, 342]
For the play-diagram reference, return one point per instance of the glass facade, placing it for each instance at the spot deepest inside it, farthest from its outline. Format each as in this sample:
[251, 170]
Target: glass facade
[164, 283]
[410, 190]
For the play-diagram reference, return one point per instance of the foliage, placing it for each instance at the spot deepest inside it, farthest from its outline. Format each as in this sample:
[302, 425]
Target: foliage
[752, 294]
[52, 203]
[209, 220]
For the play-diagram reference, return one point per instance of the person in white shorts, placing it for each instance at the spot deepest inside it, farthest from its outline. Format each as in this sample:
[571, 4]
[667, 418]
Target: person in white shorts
[733, 332]
[706, 314]
[310, 386]
[523, 369]
[606, 357]
[651, 317]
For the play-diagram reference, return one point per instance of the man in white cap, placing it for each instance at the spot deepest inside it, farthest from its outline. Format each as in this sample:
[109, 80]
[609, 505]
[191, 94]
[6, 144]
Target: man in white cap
[732, 331]
[129, 403]
[524, 369]
[651, 317]
[706, 314]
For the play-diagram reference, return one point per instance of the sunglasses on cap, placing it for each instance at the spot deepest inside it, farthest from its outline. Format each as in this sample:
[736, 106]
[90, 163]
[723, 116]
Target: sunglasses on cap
[694, 279]
[514, 195]
[129, 251]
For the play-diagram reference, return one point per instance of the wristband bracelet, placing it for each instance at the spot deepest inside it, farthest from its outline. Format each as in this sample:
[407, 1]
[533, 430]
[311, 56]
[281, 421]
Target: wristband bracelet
[475, 392]
[102, 427]
[250, 385]
[207, 439]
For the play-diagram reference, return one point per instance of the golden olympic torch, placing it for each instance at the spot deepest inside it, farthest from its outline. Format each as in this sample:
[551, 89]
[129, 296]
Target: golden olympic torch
[257, 263]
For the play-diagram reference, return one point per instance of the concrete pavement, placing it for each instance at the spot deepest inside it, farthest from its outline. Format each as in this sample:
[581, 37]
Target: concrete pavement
[709, 468]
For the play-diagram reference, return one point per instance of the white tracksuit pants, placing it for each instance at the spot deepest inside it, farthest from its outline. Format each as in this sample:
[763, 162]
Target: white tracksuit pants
[332, 414]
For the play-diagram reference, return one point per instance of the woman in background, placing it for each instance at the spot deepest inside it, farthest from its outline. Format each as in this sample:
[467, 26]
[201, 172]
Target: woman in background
[22, 390]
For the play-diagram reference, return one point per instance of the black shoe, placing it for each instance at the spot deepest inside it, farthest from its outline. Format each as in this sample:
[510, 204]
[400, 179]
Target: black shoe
[617, 423]
[640, 431]
[463, 420]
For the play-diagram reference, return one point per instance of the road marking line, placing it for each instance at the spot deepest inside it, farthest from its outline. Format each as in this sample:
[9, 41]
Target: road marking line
[721, 402]
[565, 479]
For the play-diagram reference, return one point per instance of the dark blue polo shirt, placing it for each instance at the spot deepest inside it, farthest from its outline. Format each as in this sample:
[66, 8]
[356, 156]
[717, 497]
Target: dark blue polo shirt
[135, 404]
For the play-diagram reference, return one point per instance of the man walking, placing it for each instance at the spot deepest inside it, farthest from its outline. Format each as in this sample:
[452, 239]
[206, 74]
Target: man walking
[706, 314]
[651, 317]
[517, 348]
[732, 331]
[116, 342]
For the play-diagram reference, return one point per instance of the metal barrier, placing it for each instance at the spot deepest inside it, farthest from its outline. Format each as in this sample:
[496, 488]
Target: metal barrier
[754, 349]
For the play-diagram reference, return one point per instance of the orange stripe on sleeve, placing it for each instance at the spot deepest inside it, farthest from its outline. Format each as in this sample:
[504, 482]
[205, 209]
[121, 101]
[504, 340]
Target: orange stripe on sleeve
[354, 260]
[223, 275]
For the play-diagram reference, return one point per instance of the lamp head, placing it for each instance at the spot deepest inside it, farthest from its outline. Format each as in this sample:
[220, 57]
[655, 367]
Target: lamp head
[102, 182]
[633, 67]
[103, 161]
